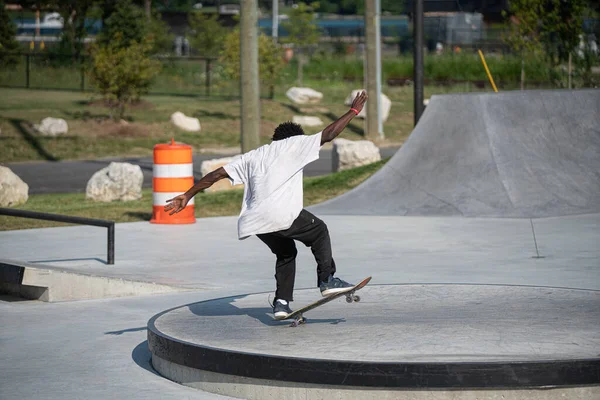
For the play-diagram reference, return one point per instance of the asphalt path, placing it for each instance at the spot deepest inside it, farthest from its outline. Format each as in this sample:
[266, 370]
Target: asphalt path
[72, 176]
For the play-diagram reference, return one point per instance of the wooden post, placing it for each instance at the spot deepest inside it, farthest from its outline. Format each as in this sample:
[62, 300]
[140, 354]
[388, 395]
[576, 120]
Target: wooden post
[372, 70]
[250, 89]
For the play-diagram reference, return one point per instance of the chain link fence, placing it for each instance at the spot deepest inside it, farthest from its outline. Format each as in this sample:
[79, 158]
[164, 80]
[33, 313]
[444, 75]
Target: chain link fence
[192, 76]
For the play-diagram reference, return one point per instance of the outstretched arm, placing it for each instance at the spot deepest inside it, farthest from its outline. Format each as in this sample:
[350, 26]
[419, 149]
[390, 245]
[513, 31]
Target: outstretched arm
[333, 130]
[178, 203]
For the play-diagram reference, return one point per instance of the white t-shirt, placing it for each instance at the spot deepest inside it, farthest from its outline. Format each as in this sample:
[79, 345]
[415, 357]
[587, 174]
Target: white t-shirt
[272, 175]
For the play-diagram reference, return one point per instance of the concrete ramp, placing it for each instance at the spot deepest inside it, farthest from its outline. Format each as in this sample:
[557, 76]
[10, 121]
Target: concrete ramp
[511, 154]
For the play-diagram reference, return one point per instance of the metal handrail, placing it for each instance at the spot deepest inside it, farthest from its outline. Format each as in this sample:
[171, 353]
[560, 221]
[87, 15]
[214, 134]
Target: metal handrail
[110, 225]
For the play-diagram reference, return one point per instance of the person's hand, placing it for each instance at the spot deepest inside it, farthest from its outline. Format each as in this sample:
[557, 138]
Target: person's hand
[359, 101]
[177, 204]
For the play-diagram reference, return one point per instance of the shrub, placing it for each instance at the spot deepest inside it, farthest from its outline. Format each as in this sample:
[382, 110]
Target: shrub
[122, 74]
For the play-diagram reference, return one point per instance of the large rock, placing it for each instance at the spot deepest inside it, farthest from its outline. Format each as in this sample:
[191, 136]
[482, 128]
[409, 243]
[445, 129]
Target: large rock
[13, 191]
[52, 127]
[304, 95]
[118, 181]
[386, 105]
[211, 165]
[349, 154]
[189, 124]
[307, 121]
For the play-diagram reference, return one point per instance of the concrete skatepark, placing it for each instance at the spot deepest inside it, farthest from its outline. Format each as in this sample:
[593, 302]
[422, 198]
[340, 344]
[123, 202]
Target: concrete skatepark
[481, 235]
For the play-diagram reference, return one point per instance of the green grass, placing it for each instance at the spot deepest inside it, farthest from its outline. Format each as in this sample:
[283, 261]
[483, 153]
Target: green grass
[316, 190]
[93, 135]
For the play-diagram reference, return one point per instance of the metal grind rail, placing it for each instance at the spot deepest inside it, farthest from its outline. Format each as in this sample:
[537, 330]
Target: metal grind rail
[110, 225]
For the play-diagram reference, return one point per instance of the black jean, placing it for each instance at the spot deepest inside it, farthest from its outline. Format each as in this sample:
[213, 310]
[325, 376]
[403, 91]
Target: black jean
[309, 230]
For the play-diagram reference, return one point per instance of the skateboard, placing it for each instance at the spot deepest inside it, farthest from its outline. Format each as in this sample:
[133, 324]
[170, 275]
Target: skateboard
[351, 297]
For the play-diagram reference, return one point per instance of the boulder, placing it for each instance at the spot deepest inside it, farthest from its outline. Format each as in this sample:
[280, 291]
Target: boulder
[386, 105]
[307, 121]
[349, 154]
[52, 127]
[13, 191]
[118, 181]
[189, 124]
[211, 165]
[304, 95]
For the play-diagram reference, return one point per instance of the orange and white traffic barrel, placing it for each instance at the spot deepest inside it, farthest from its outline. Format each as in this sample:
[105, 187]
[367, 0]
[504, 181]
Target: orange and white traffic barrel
[172, 175]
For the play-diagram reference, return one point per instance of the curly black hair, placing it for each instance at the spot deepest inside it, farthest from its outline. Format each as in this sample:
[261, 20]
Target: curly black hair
[287, 129]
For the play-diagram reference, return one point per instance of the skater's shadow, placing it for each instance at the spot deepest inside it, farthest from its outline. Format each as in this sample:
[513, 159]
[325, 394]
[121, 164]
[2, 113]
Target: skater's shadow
[226, 307]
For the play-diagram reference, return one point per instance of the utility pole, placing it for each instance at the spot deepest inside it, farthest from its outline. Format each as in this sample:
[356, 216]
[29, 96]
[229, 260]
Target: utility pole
[374, 124]
[275, 31]
[418, 58]
[250, 90]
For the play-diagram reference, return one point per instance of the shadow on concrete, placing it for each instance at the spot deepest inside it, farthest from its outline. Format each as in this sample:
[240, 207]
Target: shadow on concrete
[142, 328]
[141, 356]
[70, 259]
[25, 128]
[225, 307]
[9, 298]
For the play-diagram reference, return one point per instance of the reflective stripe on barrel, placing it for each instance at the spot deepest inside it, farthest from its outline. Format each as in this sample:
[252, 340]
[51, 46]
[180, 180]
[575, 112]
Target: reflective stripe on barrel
[173, 174]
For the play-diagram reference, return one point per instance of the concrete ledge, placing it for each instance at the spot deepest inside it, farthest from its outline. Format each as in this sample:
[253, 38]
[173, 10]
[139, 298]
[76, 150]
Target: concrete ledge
[399, 338]
[259, 389]
[51, 284]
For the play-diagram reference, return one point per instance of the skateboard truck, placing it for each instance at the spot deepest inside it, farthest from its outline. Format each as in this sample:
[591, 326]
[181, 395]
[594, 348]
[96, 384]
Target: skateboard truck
[298, 321]
[298, 317]
[351, 297]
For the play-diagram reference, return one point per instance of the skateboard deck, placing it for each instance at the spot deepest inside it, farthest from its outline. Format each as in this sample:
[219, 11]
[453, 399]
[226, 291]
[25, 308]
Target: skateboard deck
[298, 317]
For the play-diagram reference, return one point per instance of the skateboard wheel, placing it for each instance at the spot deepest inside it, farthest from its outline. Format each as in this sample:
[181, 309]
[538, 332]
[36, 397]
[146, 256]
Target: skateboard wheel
[349, 299]
[357, 298]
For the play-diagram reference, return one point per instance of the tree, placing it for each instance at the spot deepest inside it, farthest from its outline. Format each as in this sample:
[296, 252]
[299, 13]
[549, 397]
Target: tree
[562, 25]
[128, 21]
[8, 44]
[303, 31]
[524, 36]
[548, 27]
[121, 72]
[124, 18]
[207, 34]
[73, 34]
[270, 59]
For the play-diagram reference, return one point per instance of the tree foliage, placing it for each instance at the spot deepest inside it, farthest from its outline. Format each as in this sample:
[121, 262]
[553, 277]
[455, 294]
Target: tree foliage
[303, 31]
[551, 27]
[122, 71]
[206, 33]
[8, 44]
[127, 21]
[73, 34]
[562, 26]
[301, 26]
[270, 59]
[124, 18]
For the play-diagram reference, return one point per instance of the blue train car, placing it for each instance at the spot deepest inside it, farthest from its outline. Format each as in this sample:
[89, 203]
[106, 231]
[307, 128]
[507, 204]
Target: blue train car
[355, 27]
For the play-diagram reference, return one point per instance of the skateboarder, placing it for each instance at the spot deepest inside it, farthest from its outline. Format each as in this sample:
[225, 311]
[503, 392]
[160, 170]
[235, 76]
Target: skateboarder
[272, 208]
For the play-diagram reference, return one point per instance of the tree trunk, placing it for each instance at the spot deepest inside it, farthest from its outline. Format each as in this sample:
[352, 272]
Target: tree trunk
[522, 73]
[300, 65]
[148, 8]
[570, 70]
